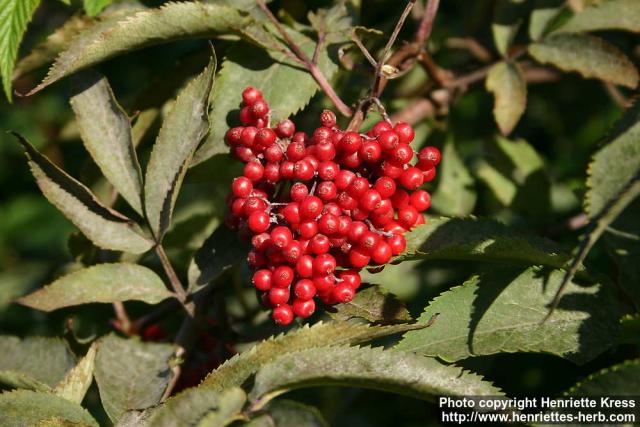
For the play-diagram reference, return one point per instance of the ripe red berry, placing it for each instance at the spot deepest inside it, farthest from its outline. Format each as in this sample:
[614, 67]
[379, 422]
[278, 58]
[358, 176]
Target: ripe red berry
[304, 266]
[291, 213]
[421, 200]
[429, 175]
[272, 172]
[328, 119]
[287, 170]
[350, 142]
[358, 258]
[282, 276]
[281, 237]
[405, 132]
[285, 129]
[245, 116]
[304, 308]
[350, 277]
[248, 136]
[325, 151]
[304, 289]
[293, 252]
[428, 158]
[346, 202]
[254, 171]
[358, 187]
[296, 151]
[324, 264]
[398, 244]
[370, 200]
[253, 204]
[381, 126]
[327, 191]
[411, 178]
[369, 241]
[385, 186]
[324, 283]
[262, 280]
[357, 230]
[401, 154]
[370, 151]
[250, 95]
[242, 187]
[258, 222]
[344, 179]
[390, 170]
[279, 296]
[298, 192]
[328, 224]
[343, 293]
[259, 109]
[382, 253]
[319, 244]
[328, 171]
[265, 137]
[408, 216]
[322, 134]
[311, 207]
[273, 154]
[282, 315]
[351, 161]
[303, 171]
[233, 137]
[388, 140]
[261, 241]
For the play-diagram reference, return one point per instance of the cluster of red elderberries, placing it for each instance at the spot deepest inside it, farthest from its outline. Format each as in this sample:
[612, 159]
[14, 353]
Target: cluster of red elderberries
[318, 208]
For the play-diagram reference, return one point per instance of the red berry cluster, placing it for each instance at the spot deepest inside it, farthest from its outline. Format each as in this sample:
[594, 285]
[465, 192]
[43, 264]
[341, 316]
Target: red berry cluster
[318, 208]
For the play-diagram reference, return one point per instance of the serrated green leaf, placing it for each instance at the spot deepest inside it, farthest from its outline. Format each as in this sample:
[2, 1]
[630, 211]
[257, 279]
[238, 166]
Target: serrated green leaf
[507, 20]
[506, 81]
[34, 362]
[222, 250]
[94, 7]
[542, 16]
[455, 194]
[287, 413]
[183, 129]
[23, 408]
[235, 371]
[198, 407]
[503, 310]
[374, 304]
[334, 24]
[102, 225]
[590, 56]
[14, 17]
[106, 133]
[75, 384]
[622, 379]
[609, 15]
[131, 374]
[100, 283]
[388, 370]
[144, 28]
[485, 240]
[271, 72]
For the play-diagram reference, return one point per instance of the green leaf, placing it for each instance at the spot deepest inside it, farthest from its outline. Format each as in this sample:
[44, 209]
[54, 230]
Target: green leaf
[102, 225]
[141, 29]
[34, 362]
[131, 374]
[615, 163]
[506, 81]
[334, 24]
[517, 177]
[609, 15]
[271, 72]
[455, 194]
[184, 127]
[542, 16]
[27, 408]
[235, 371]
[388, 370]
[93, 7]
[14, 17]
[287, 413]
[199, 407]
[222, 250]
[485, 240]
[75, 384]
[503, 311]
[106, 132]
[374, 304]
[100, 283]
[619, 380]
[507, 20]
[590, 56]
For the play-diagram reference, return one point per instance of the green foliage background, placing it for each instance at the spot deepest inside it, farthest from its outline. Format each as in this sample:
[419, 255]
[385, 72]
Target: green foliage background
[535, 182]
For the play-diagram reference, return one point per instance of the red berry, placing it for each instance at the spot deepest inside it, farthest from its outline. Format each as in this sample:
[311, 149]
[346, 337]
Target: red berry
[259, 222]
[388, 140]
[325, 151]
[324, 264]
[308, 229]
[248, 136]
[400, 199]
[357, 230]
[234, 136]
[358, 258]
[390, 170]
[265, 137]
[370, 152]
[328, 119]
[241, 187]
[382, 253]
[351, 278]
[319, 244]
[351, 161]
[344, 223]
[272, 172]
[282, 276]
[429, 175]
[281, 237]
[304, 308]
[324, 283]
[385, 186]
[344, 179]
[245, 116]
[250, 95]
[421, 200]
[254, 204]
[380, 127]
[287, 170]
[408, 216]
[296, 151]
[304, 266]
[328, 224]
[261, 241]
[303, 171]
[285, 129]
[298, 192]
[369, 241]
[273, 154]
[358, 187]
[254, 171]
[327, 191]
[346, 202]
[262, 280]
[332, 208]
[304, 289]
[328, 170]
[292, 252]
[311, 207]
[401, 154]
[411, 178]
[370, 200]
[398, 244]
[405, 132]
[322, 134]
[291, 213]
[279, 296]
[259, 109]
[350, 142]
[343, 293]
[282, 315]
[429, 157]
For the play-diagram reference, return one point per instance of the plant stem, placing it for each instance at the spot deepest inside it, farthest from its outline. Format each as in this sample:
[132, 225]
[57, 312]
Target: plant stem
[124, 322]
[311, 66]
[179, 290]
[426, 24]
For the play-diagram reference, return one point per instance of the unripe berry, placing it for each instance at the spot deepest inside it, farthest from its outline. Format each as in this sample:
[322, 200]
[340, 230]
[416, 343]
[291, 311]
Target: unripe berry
[282, 315]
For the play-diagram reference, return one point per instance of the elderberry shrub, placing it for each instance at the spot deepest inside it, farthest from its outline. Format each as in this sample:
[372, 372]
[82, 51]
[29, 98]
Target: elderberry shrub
[318, 208]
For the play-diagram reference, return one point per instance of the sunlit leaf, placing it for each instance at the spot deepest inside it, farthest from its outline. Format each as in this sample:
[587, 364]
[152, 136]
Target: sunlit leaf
[609, 15]
[75, 384]
[507, 20]
[93, 7]
[455, 194]
[506, 81]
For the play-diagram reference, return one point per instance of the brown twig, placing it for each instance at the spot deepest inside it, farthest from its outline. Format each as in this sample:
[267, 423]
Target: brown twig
[308, 63]
[426, 24]
[471, 45]
[124, 323]
[176, 285]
